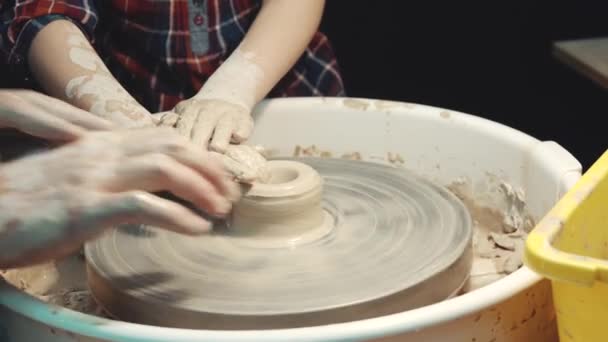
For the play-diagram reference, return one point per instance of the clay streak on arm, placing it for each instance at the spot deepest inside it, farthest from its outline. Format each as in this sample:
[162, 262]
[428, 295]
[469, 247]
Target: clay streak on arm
[67, 66]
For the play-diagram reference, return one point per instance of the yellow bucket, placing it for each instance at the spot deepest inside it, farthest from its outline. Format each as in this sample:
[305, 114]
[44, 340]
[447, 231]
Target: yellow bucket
[569, 246]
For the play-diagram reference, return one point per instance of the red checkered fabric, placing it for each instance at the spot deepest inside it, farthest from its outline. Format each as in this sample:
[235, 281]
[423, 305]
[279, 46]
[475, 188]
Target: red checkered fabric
[163, 51]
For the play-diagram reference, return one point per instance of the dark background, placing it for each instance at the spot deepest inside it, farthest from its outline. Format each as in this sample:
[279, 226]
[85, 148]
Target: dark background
[491, 59]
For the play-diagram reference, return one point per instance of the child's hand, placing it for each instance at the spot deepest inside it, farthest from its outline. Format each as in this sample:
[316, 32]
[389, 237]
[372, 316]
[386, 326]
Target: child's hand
[245, 163]
[227, 122]
[212, 123]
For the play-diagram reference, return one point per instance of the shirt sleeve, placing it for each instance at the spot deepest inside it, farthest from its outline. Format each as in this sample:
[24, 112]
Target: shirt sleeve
[23, 19]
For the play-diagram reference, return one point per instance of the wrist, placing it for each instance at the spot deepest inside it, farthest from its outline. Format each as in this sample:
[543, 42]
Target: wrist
[236, 81]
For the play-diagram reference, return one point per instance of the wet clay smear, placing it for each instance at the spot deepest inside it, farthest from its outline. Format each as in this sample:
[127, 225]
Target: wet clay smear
[499, 235]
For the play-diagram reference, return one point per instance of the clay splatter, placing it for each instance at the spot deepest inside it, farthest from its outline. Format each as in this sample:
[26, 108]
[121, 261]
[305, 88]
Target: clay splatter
[499, 237]
[395, 158]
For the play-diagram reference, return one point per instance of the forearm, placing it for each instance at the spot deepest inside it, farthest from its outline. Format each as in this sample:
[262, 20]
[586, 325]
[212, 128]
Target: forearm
[67, 67]
[277, 38]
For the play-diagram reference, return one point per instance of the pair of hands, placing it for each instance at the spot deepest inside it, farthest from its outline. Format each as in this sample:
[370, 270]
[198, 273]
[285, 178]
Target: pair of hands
[53, 201]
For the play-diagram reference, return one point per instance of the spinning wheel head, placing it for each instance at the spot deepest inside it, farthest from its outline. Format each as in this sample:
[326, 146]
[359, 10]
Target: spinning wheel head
[360, 240]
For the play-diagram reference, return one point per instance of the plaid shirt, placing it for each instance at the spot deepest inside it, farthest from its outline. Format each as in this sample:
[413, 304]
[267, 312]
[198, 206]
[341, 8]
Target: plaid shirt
[163, 51]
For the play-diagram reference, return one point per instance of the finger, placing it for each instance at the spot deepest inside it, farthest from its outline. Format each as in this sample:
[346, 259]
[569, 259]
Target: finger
[244, 127]
[166, 141]
[158, 172]
[186, 121]
[80, 117]
[183, 105]
[205, 125]
[211, 167]
[222, 134]
[41, 124]
[155, 120]
[168, 119]
[68, 112]
[144, 208]
[228, 187]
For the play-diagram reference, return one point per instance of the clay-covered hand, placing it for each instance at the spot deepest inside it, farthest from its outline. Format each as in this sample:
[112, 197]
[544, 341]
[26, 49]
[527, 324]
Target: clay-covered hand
[46, 117]
[245, 163]
[220, 113]
[212, 123]
[51, 202]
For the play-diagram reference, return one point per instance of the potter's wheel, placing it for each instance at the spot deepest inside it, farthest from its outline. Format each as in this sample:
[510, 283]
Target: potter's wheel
[396, 242]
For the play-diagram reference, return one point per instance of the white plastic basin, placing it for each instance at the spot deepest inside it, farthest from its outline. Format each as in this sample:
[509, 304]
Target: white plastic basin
[441, 144]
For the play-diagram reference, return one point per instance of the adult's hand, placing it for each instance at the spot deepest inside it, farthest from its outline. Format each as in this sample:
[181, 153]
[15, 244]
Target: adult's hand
[46, 117]
[50, 203]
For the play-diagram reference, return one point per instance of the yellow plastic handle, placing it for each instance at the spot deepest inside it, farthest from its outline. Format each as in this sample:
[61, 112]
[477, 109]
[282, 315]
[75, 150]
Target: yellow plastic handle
[571, 242]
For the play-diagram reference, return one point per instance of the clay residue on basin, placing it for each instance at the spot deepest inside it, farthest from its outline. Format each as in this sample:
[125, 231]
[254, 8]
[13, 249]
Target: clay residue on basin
[499, 234]
[62, 282]
[311, 151]
[392, 158]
